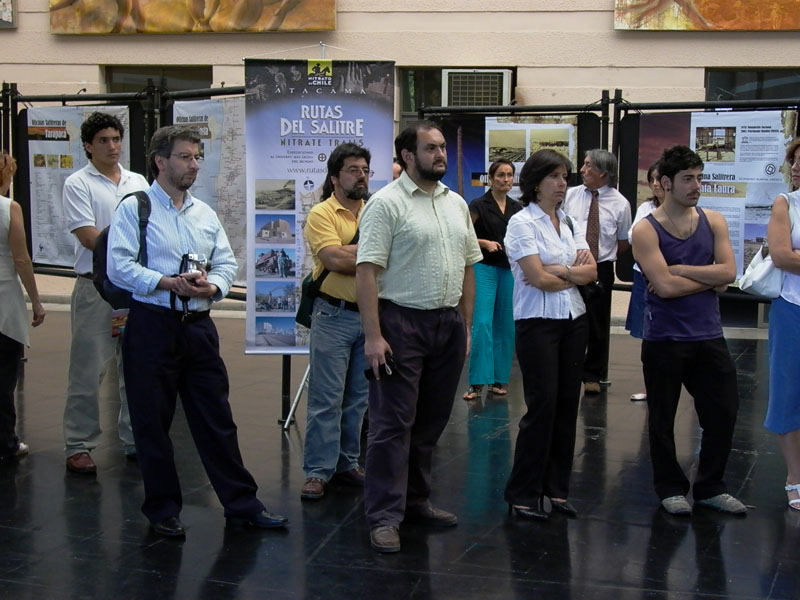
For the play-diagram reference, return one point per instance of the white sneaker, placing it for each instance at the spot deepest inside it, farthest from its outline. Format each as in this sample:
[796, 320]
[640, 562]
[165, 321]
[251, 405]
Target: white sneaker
[676, 505]
[22, 449]
[724, 503]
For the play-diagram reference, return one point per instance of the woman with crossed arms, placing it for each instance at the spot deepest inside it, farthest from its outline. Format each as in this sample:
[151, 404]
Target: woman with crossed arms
[549, 257]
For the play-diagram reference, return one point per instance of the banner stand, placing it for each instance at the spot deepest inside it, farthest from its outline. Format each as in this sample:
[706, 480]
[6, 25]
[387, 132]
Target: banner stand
[289, 418]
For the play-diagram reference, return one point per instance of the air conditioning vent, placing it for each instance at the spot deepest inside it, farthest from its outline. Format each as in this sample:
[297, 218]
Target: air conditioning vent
[476, 87]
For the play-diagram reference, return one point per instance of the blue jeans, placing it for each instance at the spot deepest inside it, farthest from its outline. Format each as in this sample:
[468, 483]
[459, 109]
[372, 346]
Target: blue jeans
[492, 326]
[337, 391]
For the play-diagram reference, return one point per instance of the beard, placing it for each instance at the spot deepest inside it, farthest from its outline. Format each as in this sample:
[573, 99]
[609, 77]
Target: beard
[429, 174]
[357, 193]
[183, 182]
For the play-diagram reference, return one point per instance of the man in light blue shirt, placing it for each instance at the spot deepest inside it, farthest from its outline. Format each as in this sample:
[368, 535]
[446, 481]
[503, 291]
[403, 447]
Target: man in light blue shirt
[170, 346]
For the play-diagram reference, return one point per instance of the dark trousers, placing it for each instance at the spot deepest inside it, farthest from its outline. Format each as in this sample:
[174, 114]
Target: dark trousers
[550, 353]
[598, 312]
[708, 372]
[409, 409]
[10, 355]
[164, 357]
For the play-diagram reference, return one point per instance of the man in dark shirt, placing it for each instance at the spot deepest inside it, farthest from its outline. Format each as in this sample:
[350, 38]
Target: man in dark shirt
[686, 256]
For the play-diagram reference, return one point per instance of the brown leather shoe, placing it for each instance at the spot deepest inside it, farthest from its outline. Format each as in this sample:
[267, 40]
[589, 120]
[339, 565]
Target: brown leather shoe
[426, 514]
[385, 539]
[591, 387]
[353, 477]
[81, 463]
[313, 489]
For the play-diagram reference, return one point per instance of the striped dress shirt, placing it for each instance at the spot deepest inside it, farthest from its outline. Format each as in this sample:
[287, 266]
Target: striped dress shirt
[171, 233]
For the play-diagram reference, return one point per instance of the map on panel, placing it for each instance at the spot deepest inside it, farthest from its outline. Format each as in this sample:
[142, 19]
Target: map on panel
[221, 180]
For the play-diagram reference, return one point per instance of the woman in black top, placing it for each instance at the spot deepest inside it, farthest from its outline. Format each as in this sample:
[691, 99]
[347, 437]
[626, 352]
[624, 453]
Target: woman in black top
[492, 321]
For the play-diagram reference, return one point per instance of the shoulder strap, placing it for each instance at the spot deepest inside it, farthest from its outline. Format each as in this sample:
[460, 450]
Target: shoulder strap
[568, 221]
[325, 272]
[144, 218]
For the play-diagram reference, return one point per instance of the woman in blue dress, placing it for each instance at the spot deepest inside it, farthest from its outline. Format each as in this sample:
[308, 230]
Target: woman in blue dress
[783, 413]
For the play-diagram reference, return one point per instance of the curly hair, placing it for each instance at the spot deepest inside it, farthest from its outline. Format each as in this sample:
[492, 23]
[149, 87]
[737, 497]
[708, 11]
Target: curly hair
[96, 122]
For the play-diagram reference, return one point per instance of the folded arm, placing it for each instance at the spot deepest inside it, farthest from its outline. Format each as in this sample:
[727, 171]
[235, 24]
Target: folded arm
[663, 282]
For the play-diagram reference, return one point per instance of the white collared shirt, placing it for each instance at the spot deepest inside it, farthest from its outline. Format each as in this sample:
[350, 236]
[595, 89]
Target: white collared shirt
[89, 199]
[645, 208]
[530, 232]
[614, 212]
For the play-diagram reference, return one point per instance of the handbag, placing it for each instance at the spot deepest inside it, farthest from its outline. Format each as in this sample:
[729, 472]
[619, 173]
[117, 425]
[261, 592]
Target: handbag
[309, 289]
[762, 277]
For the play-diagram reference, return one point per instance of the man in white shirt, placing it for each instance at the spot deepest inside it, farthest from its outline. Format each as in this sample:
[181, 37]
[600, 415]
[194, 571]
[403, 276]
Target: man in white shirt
[90, 196]
[611, 216]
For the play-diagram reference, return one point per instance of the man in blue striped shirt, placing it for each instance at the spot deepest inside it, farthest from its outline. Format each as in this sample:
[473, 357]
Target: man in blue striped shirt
[170, 346]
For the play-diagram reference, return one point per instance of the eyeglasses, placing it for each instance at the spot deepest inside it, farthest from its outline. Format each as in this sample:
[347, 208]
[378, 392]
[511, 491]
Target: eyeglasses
[356, 171]
[187, 158]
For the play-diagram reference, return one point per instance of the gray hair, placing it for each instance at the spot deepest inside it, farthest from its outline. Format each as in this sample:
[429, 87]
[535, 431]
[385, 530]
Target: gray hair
[605, 163]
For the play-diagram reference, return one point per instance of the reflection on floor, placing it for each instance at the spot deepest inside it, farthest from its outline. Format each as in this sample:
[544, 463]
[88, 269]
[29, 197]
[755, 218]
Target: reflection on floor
[64, 535]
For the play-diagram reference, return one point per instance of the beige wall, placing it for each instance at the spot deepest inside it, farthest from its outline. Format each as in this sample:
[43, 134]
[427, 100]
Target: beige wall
[565, 51]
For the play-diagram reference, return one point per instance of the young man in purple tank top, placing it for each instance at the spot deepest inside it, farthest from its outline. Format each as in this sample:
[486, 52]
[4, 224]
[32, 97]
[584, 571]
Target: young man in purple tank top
[686, 256]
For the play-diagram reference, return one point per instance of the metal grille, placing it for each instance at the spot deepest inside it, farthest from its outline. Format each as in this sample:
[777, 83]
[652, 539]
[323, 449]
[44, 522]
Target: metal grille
[475, 89]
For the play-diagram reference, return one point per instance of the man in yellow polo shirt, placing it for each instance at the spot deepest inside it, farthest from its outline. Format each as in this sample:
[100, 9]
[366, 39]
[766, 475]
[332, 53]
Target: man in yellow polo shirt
[337, 388]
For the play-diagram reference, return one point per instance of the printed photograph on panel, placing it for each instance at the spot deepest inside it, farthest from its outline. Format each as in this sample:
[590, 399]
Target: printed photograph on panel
[276, 262]
[275, 194]
[275, 331]
[550, 139]
[275, 229]
[716, 144]
[276, 296]
[508, 144]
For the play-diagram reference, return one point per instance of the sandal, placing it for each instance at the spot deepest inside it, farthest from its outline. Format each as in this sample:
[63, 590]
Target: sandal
[498, 389]
[794, 503]
[473, 392]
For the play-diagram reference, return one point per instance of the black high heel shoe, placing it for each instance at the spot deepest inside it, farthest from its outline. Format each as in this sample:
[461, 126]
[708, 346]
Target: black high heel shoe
[563, 506]
[536, 513]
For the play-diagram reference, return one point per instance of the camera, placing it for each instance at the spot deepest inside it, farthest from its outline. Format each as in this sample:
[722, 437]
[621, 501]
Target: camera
[195, 263]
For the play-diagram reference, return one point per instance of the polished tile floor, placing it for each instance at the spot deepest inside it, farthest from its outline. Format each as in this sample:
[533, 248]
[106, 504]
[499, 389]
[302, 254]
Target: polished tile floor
[64, 535]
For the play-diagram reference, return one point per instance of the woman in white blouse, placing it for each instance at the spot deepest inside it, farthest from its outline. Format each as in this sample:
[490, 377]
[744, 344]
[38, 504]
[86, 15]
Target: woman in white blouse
[549, 257]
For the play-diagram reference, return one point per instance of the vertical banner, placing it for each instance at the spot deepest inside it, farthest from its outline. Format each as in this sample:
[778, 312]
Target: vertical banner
[744, 169]
[297, 112]
[221, 180]
[55, 152]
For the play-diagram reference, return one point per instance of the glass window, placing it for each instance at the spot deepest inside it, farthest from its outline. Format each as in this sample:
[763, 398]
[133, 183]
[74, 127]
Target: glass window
[174, 78]
[742, 84]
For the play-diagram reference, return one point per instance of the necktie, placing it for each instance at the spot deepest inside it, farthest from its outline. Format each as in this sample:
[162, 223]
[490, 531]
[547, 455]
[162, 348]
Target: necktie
[593, 225]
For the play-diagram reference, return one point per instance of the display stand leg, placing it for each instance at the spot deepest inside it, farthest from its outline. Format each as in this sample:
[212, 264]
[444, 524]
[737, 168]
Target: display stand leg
[293, 409]
[286, 388]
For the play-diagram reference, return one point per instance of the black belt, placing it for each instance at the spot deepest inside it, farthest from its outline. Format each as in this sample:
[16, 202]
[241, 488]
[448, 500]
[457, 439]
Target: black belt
[338, 302]
[179, 315]
[85, 275]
